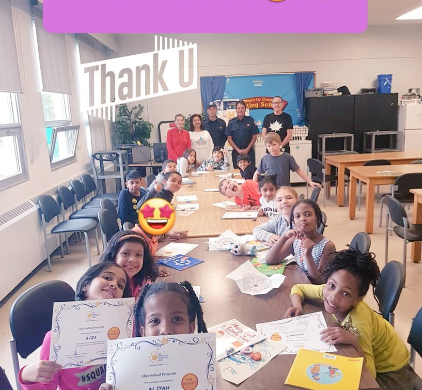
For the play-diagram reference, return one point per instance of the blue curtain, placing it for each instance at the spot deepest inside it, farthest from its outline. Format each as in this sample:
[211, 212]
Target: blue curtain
[212, 88]
[302, 82]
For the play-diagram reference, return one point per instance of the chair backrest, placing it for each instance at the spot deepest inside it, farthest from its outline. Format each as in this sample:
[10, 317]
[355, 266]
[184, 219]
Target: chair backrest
[66, 197]
[361, 242]
[48, 207]
[321, 226]
[107, 204]
[88, 183]
[31, 314]
[389, 286]
[78, 189]
[315, 194]
[150, 178]
[416, 162]
[4, 381]
[408, 181]
[395, 209]
[108, 223]
[373, 163]
[315, 166]
[415, 335]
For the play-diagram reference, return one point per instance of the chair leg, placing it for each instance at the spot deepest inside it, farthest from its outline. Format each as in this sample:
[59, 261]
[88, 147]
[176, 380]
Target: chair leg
[382, 204]
[87, 248]
[96, 241]
[386, 238]
[15, 360]
[391, 319]
[46, 248]
[404, 260]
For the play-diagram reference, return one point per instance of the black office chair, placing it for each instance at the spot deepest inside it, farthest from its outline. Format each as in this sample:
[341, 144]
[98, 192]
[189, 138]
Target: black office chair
[315, 194]
[67, 200]
[415, 338]
[361, 242]
[4, 381]
[401, 189]
[317, 170]
[323, 224]
[30, 317]
[388, 289]
[50, 209]
[150, 178]
[80, 193]
[371, 163]
[404, 229]
[89, 184]
[108, 224]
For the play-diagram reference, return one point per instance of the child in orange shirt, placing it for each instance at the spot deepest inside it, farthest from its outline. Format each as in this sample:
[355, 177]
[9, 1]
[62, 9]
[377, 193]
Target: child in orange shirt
[246, 194]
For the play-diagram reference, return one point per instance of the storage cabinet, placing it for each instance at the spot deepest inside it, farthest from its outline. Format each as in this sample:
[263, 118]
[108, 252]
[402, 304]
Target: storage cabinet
[355, 114]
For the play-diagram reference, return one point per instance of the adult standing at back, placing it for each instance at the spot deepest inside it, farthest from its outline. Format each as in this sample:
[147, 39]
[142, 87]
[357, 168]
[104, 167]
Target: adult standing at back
[215, 126]
[200, 139]
[279, 122]
[178, 139]
[242, 133]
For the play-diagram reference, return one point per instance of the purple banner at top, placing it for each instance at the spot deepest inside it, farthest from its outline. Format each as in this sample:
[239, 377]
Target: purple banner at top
[201, 16]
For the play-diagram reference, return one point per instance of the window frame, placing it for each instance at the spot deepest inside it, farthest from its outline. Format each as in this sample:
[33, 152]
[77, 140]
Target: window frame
[56, 131]
[15, 129]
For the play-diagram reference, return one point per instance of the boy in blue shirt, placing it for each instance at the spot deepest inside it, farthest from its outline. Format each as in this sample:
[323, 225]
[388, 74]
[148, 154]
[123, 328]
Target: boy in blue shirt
[246, 168]
[129, 198]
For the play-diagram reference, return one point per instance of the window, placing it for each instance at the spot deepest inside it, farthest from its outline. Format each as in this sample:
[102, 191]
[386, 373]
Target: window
[12, 163]
[62, 143]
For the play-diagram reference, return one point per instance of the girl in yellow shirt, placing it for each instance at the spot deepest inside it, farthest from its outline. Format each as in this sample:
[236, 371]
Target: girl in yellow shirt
[348, 276]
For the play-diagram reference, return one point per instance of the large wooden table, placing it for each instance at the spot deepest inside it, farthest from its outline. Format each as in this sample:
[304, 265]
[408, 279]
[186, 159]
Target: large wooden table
[224, 301]
[343, 161]
[417, 218]
[207, 222]
[372, 178]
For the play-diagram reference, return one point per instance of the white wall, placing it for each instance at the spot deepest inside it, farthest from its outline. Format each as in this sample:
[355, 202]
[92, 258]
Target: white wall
[351, 60]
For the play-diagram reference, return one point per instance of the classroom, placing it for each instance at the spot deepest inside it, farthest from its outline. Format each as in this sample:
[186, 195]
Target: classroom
[40, 89]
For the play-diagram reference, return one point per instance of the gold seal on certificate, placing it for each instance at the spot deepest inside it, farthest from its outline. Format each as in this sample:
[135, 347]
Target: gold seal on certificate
[189, 382]
[113, 333]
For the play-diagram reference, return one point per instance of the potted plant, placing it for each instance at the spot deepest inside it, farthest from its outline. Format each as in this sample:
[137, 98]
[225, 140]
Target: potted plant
[129, 126]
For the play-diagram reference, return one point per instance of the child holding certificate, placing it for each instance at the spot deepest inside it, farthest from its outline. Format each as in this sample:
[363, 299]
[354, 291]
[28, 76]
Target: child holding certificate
[168, 308]
[348, 277]
[130, 250]
[101, 281]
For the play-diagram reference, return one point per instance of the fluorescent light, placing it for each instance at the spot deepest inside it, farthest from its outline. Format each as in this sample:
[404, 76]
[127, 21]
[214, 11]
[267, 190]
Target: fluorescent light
[412, 15]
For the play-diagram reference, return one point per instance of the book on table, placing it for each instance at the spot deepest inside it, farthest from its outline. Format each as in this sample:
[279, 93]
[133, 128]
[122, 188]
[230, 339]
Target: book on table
[321, 370]
[180, 262]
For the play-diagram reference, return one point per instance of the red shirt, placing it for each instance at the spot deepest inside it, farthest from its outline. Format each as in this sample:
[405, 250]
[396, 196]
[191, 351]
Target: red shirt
[251, 194]
[177, 143]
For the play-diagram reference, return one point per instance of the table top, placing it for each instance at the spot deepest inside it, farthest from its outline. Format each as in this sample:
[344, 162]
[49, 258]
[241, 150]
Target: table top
[364, 157]
[417, 191]
[382, 132]
[224, 301]
[207, 222]
[377, 171]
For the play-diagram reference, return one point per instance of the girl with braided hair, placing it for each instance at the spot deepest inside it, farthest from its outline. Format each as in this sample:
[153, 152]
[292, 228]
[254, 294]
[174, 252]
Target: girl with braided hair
[168, 308]
[348, 277]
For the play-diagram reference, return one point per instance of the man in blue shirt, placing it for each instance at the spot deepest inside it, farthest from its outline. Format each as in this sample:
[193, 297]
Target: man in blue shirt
[242, 133]
[215, 126]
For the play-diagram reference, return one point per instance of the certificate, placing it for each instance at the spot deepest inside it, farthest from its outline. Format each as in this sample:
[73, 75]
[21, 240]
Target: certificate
[80, 330]
[163, 362]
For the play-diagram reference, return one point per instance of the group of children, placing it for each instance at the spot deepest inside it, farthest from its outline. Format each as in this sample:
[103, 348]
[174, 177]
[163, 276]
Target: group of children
[339, 279]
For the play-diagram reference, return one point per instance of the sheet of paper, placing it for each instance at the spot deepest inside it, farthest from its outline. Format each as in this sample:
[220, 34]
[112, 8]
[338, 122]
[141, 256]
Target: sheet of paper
[187, 206]
[251, 281]
[223, 205]
[186, 198]
[240, 215]
[80, 330]
[165, 362]
[175, 248]
[197, 290]
[184, 213]
[298, 332]
[199, 173]
[211, 190]
[185, 180]
[233, 336]
[238, 367]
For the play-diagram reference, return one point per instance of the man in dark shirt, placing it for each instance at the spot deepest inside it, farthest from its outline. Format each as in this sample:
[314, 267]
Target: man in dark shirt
[241, 134]
[279, 122]
[215, 126]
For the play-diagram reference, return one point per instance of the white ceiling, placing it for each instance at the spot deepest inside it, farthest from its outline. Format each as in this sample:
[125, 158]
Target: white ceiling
[383, 12]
